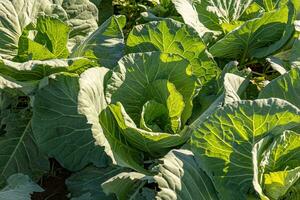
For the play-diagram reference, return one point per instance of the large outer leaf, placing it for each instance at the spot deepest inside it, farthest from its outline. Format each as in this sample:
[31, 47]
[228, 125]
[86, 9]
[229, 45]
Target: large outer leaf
[190, 16]
[170, 36]
[19, 151]
[278, 166]
[65, 119]
[81, 15]
[126, 185]
[223, 143]
[180, 177]
[135, 72]
[210, 14]
[15, 16]
[233, 86]
[19, 187]
[11, 85]
[258, 37]
[89, 180]
[106, 44]
[37, 69]
[286, 86]
[49, 42]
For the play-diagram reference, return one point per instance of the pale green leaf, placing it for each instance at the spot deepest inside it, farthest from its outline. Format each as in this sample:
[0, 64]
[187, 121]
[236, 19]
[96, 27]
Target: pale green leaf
[178, 176]
[190, 16]
[123, 154]
[277, 64]
[80, 15]
[37, 69]
[277, 168]
[208, 15]
[15, 16]
[154, 143]
[11, 85]
[134, 74]
[258, 37]
[223, 143]
[277, 183]
[125, 185]
[49, 42]
[170, 36]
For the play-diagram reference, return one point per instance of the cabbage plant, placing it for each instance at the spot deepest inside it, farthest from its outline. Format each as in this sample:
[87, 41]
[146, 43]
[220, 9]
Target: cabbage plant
[203, 104]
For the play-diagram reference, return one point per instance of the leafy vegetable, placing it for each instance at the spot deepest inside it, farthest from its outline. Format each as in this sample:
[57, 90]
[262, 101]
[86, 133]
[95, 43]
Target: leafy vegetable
[257, 38]
[65, 132]
[226, 139]
[193, 183]
[170, 36]
[20, 153]
[278, 165]
[19, 188]
[88, 181]
[106, 44]
[81, 15]
[284, 87]
[211, 14]
[49, 42]
[190, 99]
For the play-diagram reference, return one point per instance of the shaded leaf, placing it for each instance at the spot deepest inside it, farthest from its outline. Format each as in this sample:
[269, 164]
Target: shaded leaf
[65, 119]
[179, 177]
[19, 150]
[88, 181]
[19, 188]
[286, 87]
[106, 44]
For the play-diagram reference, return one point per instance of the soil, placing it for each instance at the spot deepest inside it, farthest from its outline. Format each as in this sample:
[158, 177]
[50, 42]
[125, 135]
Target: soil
[53, 183]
